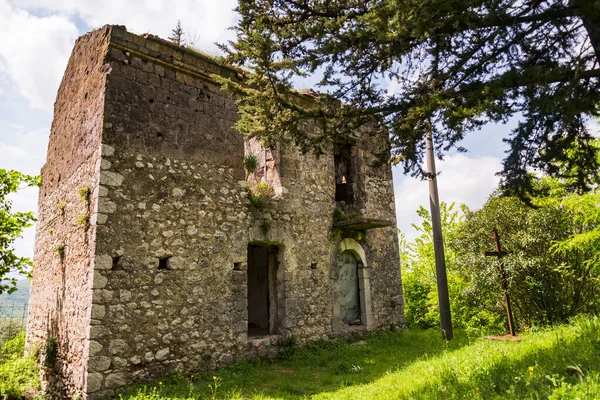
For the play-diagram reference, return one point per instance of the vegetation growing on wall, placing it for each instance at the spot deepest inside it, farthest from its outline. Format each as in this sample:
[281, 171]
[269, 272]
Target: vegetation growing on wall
[83, 219]
[60, 250]
[250, 163]
[50, 353]
[84, 194]
[260, 194]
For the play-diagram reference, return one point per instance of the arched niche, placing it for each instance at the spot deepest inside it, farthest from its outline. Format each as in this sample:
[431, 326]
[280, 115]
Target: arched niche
[351, 246]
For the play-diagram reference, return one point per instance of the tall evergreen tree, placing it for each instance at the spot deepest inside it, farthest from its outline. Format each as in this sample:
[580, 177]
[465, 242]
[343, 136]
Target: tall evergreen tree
[454, 65]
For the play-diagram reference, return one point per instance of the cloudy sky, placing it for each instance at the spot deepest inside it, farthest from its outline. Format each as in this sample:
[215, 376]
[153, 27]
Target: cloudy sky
[37, 36]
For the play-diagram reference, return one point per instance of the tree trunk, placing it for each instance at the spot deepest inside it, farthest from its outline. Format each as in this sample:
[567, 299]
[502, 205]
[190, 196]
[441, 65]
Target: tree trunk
[590, 15]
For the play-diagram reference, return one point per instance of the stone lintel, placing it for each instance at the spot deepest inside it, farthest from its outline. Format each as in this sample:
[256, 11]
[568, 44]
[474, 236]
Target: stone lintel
[363, 224]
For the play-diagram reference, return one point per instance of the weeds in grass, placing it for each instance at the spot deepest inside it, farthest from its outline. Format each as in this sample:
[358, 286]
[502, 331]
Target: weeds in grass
[558, 363]
[214, 387]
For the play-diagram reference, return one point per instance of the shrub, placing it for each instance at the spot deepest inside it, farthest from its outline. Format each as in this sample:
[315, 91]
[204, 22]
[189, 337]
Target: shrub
[263, 189]
[260, 194]
[18, 371]
[9, 328]
[544, 286]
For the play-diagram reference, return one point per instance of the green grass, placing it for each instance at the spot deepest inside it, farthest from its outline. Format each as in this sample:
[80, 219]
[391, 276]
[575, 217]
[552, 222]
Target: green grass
[558, 363]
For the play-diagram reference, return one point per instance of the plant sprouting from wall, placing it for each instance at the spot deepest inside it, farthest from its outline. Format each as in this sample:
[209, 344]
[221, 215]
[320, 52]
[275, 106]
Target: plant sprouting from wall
[250, 163]
[83, 219]
[85, 194]
[265, 226]
[51, 353]
[60, 250]
[61, 206]
[260, 194]
[177, 35]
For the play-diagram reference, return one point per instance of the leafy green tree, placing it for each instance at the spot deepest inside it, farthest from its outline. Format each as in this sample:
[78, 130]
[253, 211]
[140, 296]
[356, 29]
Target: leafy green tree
[455, 66]
[546, 285]
[11, 227]
[585, 210]
[418, 270]
[553, 265]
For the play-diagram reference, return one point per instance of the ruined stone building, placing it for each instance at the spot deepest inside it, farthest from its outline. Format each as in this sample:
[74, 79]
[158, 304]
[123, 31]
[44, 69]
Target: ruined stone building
[152, 252]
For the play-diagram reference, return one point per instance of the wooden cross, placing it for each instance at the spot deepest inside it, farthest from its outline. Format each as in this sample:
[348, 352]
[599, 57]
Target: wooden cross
[500, 253]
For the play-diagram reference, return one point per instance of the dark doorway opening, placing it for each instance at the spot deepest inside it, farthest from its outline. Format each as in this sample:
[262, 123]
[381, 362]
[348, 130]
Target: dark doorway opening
[344, 189]
[262, 290]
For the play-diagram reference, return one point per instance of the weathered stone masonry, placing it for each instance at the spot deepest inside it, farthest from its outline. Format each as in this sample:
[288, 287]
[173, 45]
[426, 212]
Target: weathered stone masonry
[166, 265]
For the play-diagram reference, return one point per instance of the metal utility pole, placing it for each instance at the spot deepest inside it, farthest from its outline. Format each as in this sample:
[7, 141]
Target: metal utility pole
[438, 242]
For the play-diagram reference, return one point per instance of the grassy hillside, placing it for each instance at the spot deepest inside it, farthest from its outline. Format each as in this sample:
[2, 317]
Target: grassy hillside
[558, 363]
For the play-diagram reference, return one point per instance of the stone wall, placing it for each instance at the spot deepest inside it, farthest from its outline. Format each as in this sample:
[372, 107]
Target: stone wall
[61, 291]
[171, 222]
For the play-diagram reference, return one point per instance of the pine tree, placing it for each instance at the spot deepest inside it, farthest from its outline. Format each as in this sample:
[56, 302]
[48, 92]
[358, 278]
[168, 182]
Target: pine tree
[455, 66]
[177, 35]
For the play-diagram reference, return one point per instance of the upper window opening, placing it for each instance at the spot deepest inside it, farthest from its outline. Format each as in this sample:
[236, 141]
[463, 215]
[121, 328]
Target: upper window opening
[344, 188]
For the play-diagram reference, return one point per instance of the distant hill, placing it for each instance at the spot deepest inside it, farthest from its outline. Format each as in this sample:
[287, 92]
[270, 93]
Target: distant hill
[19, 298]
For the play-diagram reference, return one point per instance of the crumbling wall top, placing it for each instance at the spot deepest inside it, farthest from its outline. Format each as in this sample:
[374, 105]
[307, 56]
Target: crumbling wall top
[161, 51]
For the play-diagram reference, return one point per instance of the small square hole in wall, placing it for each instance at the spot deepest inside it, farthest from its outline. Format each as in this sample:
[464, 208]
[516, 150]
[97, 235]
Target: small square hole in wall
[314, 265]
[116, 262]
[164, 263]
[237, 266]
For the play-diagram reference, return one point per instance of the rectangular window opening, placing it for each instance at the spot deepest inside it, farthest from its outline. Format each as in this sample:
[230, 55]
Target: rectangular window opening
[116, 262]
[344, 170]
[164, 263]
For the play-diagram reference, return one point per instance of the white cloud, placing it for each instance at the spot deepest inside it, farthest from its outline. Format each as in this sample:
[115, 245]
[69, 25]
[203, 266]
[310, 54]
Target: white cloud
[461, 179]
[34, 52]
[209, 18]
[27, 153]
